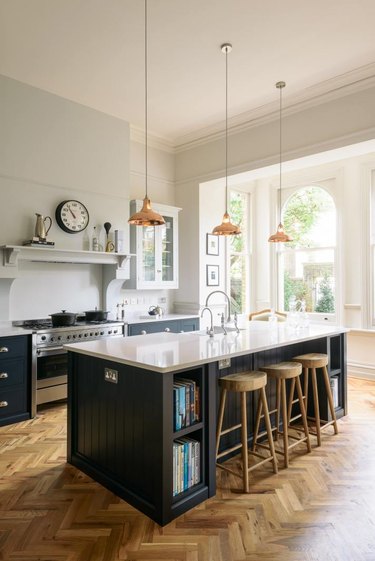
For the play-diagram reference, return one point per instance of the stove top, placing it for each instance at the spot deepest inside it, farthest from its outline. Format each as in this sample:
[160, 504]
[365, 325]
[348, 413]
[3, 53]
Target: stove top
[42, 324]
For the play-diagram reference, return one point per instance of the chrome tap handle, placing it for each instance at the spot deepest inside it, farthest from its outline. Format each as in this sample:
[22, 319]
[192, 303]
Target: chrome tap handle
[235, 322]
[223, 323]
[210, 331]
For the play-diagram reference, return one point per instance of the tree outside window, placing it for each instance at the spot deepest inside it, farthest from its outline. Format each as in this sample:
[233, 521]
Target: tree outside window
[307, 264]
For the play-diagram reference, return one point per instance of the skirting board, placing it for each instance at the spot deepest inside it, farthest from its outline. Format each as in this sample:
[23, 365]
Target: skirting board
[365, 371]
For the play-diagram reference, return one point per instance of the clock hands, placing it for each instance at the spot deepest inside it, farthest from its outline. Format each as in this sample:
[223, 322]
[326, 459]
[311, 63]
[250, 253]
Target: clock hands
[71, 212]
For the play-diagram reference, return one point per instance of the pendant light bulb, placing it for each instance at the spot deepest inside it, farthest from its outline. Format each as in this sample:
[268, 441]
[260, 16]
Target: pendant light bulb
[226, 228]
[146, 216]
[280, 236]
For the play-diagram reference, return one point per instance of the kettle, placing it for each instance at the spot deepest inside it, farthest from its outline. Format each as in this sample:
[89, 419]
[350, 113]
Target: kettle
[155, 311]
[40, 227]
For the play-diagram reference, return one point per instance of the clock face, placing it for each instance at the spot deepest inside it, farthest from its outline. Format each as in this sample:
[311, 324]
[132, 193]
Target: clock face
[72, 216]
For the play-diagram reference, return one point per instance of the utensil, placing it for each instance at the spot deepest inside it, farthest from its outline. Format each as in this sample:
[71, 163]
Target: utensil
[40, 226]
[109, 246]
[96, 315]
[63, 318]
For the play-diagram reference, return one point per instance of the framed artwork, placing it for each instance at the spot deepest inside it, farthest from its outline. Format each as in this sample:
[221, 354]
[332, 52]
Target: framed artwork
[212, 244]
[212, 272]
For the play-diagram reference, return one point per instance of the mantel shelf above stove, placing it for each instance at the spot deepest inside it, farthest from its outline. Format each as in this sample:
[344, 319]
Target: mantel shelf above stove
[12, 254]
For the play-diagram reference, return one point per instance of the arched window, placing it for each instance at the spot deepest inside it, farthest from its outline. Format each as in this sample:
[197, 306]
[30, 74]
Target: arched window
[307, 264]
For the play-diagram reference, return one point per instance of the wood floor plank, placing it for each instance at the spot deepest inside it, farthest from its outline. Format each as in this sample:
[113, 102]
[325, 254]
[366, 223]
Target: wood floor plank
[321, 508]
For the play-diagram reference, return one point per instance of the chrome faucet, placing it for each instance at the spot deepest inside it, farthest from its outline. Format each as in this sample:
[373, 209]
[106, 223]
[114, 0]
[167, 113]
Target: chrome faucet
[226, 296]
[210, 331]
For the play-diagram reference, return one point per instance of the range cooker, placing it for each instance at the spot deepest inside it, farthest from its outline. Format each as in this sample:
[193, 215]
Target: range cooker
[50, 359]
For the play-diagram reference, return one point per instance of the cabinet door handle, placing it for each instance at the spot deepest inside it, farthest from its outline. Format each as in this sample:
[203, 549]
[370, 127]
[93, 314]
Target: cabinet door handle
[4, 350]
[143, 332]
[3, 404]
[167, 329]
[3, 375]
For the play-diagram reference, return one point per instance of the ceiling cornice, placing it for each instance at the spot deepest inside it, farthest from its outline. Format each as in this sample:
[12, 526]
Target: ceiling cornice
[154, 141]
[345, 84]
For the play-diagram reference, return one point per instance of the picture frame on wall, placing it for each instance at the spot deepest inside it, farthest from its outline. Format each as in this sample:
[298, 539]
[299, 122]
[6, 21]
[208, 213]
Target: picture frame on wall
[212, 244]
[212, 275]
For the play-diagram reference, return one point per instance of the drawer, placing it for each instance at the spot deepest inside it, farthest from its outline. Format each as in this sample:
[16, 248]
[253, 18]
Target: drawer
[11, 347]
[154, 327]
[12, 373]
[13, 401]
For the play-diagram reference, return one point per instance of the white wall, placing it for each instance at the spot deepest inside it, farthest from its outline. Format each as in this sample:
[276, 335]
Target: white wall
[51, 150]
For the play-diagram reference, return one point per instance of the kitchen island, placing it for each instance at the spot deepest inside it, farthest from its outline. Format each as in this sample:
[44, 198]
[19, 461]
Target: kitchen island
[124, 400]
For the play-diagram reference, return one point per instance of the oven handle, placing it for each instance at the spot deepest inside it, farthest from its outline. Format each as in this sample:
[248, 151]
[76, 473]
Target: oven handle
[51, 351]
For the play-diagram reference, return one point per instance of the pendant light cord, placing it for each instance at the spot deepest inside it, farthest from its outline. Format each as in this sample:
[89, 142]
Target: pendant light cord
[146, 99]
[280, 144]
[226, 130]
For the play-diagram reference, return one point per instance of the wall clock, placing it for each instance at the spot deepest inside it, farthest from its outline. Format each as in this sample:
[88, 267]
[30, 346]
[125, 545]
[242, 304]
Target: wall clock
[72, 216]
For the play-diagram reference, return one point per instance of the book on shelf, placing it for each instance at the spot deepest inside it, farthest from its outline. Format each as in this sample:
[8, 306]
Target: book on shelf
[186, 464]
[186, 403]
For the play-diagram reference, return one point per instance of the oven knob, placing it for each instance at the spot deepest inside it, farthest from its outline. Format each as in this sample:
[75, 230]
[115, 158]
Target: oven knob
[59, 338]
[80, 335]
[68, 336]
[102, 333]
[86, 334]
[115, 331]
[109, 332]
[43, 337]
[96, 334]
[74, 336]
[52, 338]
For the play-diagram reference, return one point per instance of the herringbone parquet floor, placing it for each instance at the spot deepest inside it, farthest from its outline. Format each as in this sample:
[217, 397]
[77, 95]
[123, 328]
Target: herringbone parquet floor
[321, 508]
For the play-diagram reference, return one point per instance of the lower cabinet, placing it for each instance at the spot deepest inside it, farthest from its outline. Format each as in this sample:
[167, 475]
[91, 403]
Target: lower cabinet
[15, 381]
[174, 325]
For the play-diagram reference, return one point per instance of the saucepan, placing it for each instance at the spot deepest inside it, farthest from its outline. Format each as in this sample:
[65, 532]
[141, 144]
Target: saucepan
[63, 318]
[96, 315]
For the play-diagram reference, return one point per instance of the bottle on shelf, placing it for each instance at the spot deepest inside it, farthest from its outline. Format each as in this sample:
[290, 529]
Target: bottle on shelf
[95, 243]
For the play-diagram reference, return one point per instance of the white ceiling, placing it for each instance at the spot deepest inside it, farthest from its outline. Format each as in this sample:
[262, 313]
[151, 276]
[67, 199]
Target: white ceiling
[91, 52]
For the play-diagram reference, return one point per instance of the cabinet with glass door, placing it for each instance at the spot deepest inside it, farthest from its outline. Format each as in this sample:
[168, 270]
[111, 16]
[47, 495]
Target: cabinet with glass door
[156, 248]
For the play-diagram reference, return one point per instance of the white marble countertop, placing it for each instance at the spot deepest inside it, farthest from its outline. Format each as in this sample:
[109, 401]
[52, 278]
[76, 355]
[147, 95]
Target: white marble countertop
[9, 330]
[143, 318]
[168, 352]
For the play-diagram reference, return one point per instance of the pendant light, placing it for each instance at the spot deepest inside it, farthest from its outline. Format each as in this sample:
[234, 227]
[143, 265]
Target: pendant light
[146, 216]
[226, 228]
[280, 236]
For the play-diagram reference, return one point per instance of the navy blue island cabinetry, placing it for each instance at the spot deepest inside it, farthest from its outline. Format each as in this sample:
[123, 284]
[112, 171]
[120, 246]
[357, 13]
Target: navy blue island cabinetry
[142, 409]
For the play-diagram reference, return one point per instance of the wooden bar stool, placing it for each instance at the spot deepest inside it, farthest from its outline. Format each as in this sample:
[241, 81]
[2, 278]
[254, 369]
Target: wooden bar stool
[310, 362]
[243, 383]
[281, 372]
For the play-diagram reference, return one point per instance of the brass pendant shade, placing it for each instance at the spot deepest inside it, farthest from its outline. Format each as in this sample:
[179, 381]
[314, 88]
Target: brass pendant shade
[280, 236]
[146, 216]
[226, 228]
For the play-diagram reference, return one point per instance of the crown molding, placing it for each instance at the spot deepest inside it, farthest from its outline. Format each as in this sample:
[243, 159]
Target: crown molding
[154, 141]
[340, 86]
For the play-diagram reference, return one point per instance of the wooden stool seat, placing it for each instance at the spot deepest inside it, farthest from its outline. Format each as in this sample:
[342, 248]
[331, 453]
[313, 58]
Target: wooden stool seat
[247, 382]
[283, 371]
[244, 383]
[310, 362]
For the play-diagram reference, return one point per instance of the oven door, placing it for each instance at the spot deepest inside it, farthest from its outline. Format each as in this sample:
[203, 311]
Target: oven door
[52, 374]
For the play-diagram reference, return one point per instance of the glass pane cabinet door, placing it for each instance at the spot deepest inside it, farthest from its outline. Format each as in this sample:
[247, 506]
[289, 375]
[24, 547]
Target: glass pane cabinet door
[148, 248]
[167, 249]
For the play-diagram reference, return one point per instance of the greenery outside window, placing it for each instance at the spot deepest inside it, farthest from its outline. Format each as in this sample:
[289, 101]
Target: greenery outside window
[239, 252]
[307, 264]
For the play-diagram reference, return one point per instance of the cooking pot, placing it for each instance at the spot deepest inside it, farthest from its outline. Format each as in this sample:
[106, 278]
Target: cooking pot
[96, 315]
[63, 318]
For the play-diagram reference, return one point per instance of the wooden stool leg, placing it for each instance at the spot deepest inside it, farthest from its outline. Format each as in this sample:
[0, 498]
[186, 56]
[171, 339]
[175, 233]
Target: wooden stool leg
[316, 406]
[278, 401]
[257, 423]
[245, 460]
[220, 418]
[306, 386]
[330, 399]
[303, 413]
[291, 396]
[263, 400]
[285, 423]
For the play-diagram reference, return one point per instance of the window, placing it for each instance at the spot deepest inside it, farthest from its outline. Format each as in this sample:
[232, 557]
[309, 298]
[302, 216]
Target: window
[307, 264]
[239, 256]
